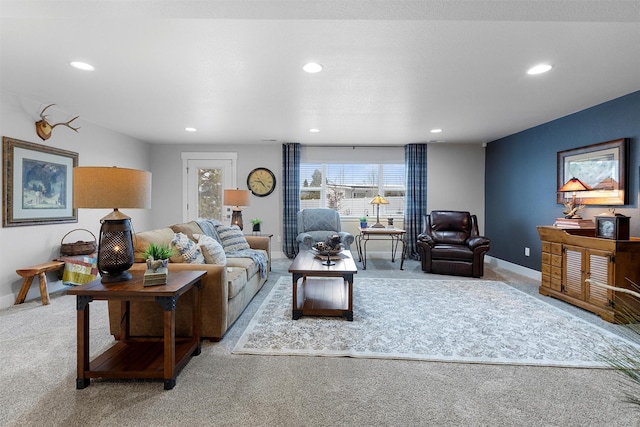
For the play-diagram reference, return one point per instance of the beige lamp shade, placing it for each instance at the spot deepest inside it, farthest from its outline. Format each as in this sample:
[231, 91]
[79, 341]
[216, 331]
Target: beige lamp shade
[111, 187]
[574, 184]
[379, 200]
[236, 197]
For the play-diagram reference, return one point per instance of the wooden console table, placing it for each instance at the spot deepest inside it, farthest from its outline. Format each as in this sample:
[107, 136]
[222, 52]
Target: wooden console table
[160, 358]
[570, 256]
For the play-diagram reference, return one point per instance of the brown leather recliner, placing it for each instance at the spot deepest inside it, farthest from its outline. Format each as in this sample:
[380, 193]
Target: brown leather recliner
[450, 244]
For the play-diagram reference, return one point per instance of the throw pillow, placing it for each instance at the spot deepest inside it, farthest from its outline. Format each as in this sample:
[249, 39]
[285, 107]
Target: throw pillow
[187, 248]
[232, 238]
[212, 251]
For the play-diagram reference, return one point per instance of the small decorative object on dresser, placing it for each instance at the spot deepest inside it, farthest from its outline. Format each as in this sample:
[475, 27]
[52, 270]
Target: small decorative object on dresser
[363, 221]
[612, 226]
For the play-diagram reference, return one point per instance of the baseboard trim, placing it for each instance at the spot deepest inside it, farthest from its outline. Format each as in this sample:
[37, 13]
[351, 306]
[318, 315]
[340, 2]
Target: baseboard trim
[523, 271]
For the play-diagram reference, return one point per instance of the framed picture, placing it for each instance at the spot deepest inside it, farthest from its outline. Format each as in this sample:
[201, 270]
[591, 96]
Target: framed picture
[601, 166]
[38, 184]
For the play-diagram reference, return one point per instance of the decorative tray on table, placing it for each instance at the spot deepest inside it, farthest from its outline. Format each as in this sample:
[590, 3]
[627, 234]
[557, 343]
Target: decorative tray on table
[326, 253]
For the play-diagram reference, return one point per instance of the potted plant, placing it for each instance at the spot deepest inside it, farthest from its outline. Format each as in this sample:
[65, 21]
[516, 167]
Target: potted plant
[157, 257]
[363, 221]
[256, 224]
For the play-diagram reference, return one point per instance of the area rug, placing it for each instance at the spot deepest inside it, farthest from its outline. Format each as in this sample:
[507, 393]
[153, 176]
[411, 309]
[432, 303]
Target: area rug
[468, 321]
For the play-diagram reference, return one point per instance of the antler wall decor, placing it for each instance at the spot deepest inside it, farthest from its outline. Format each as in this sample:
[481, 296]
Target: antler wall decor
[44, 129]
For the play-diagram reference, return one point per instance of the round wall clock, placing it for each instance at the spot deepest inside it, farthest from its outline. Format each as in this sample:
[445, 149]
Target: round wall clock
[261, 182]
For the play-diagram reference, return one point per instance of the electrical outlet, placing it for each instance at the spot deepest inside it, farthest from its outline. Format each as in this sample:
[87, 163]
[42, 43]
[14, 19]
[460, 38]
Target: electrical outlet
[527, 252]
[279, 240]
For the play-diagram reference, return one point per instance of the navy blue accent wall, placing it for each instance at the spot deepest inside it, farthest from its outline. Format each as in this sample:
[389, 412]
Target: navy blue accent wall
[520, 180]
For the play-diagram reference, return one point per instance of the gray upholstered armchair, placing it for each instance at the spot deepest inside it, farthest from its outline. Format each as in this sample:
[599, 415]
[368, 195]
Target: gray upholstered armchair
[315, 225]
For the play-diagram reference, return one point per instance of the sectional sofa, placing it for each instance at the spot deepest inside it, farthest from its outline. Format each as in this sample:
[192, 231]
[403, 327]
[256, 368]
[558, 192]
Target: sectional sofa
[226, 289]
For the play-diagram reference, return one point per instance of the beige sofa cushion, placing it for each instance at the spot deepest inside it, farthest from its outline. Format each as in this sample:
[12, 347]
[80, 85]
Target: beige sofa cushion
[160, 236]
[246, 264]
[237, 279]
[189, 228]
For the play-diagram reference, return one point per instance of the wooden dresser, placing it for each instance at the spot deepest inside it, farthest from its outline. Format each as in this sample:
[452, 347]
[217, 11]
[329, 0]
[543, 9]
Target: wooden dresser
[570, 256]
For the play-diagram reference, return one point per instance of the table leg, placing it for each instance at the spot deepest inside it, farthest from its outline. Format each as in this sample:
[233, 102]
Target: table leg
[348, 314]
[168, 305]
[404, 252]
[364, 255]
[82, 307]
[197, 317]
[295, 313]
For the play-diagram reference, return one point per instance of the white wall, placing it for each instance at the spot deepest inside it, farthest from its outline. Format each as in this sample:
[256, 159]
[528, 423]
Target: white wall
[455, 178]
[24, 246]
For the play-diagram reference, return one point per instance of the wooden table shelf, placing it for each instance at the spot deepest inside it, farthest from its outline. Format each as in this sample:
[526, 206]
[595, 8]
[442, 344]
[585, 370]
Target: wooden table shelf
[131, 357]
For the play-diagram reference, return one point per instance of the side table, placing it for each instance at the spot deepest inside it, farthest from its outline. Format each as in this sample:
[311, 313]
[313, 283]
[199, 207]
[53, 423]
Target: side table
[161, 357]
[395, 234]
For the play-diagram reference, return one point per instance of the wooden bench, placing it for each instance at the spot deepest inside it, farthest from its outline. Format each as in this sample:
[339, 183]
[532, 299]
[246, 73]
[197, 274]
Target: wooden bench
[39, 270]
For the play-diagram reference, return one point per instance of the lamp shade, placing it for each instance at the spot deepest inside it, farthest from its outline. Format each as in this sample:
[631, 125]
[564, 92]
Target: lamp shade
[574, 184]
[111, 187]
[379, 200]
[236, 197]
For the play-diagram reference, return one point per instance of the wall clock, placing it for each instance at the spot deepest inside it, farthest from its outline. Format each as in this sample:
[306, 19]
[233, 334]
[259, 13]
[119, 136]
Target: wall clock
[614, 227]
[261, 182]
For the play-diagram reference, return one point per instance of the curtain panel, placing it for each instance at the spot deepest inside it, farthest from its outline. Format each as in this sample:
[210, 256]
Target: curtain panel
[415, 157]
[290, 196]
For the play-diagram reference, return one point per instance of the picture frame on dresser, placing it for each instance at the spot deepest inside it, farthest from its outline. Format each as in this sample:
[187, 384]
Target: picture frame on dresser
[602, 166]
[614, 227]
[38, 184]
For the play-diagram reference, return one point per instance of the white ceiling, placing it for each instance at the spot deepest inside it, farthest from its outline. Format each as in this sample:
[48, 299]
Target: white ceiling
[393, 69]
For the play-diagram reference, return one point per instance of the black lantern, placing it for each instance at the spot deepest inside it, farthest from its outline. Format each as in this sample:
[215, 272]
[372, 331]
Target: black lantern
[105, 187]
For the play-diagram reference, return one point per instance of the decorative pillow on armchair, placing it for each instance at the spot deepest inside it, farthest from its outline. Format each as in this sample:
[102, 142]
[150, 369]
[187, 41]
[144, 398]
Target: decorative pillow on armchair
[232, 238]
[212, 251]
[187, 248]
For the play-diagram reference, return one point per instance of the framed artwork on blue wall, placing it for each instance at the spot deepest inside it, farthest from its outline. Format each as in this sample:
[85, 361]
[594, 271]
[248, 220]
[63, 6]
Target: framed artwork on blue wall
[602, 166]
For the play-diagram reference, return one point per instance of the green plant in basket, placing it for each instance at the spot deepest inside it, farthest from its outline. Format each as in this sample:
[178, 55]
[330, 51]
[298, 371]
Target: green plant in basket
[158, 251]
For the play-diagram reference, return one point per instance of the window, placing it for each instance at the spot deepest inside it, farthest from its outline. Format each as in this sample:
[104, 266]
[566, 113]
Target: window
[348, 188]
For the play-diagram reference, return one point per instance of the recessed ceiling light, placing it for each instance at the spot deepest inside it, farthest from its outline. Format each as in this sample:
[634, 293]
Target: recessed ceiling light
[314, 130]
[539, 69]
[190, 129]
[312, 67]
[82, 66]
[435, 130]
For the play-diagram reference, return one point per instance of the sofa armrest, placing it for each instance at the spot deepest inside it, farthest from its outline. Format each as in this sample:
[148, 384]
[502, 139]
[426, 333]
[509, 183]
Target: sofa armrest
[146, 316]
[306, 239]
[477, 241]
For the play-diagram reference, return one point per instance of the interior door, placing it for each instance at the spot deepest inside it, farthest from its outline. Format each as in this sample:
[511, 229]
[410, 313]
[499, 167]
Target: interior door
[205, 181]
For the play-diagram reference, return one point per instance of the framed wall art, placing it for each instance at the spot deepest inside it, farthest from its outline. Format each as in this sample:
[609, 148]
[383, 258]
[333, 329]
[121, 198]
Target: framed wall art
[38, 184]
[602, 166]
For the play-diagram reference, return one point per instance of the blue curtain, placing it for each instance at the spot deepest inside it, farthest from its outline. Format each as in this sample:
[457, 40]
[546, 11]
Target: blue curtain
[290, 197]
[415, 160]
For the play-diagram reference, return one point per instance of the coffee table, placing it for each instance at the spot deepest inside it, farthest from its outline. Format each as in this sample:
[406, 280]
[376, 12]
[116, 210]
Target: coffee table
[161, 357]
[322, 290]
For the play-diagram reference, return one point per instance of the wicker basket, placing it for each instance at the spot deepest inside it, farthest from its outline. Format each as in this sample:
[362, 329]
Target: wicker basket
[79, 247]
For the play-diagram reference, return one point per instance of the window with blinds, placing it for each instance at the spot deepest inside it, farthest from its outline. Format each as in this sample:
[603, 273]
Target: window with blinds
[348, 188]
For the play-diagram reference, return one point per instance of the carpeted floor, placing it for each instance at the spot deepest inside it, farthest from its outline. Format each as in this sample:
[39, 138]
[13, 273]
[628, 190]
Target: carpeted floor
[218, 388]
[468, 321]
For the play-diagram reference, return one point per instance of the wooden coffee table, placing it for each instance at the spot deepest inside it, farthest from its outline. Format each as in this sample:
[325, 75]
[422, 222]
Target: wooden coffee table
[161, 357]
[321, 290]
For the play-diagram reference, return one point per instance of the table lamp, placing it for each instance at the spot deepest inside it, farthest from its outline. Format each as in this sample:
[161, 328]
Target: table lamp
[236, 198]
[573, 185]
[97, 187]
[378, 200]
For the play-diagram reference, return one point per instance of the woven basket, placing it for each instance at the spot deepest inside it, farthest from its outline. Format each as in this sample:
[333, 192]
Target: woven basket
[79, 247]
